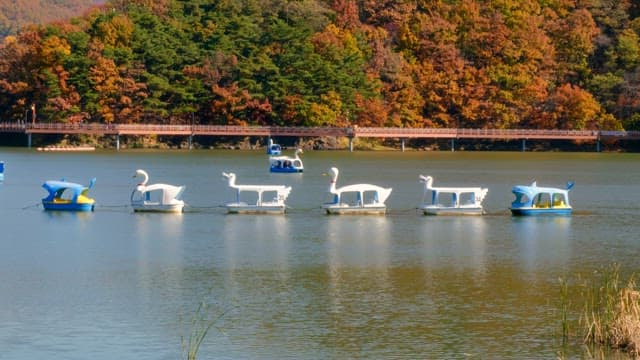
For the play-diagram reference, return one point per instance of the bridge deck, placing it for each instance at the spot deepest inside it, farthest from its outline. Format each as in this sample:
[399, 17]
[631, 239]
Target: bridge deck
[401, 133]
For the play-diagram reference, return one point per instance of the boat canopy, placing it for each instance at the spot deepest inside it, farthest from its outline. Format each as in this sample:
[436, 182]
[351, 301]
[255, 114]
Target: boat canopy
[474, 195]
[57, 187]
[169, 193]
[530, 194]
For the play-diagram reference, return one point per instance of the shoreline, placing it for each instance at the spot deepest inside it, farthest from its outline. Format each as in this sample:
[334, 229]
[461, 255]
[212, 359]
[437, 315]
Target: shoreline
[91, 142]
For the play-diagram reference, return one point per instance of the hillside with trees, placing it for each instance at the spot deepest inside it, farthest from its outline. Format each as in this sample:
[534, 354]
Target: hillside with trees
[541, 64]
[15, 14]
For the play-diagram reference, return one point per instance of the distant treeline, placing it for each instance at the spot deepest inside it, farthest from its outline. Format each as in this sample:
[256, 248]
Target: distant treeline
[15, 14]
[547, 64]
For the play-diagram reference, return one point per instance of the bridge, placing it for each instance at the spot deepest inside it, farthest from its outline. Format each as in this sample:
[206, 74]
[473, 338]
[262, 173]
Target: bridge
[190, 131]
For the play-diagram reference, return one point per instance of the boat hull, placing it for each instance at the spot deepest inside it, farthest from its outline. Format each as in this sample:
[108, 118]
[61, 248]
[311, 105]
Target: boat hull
[58, 206]
[354, 210]
[177, 208]
[540, 212]
[67, 148]
[255, 209]
[452, 211]
[274, 169]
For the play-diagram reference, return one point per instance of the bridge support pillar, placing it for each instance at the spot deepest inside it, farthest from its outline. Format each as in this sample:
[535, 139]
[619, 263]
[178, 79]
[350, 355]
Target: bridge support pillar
[191, 142]
[453, 145]
[598, 145]
[524, 145]
[29, 140]
[117, 141]
[350, 143]
[402, 144]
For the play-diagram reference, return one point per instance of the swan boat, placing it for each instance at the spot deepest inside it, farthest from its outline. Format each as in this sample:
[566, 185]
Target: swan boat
[286, 164]
[536, 200]
[67, 196]
[457, 200]
[156, 197]
[275, 205]
[1, 170]
[273, 148]
[359, 199]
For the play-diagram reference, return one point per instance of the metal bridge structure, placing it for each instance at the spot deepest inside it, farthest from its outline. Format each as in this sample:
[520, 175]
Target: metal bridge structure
[452, 134]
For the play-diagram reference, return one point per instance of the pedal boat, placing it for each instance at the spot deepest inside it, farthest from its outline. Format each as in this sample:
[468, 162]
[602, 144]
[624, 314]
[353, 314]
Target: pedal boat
[357, 199]
[276, 195]
[156, 197]
[457, 200]
[286, 164]
[1, 170]
[273, 148]
[67, 196]
[535, 200]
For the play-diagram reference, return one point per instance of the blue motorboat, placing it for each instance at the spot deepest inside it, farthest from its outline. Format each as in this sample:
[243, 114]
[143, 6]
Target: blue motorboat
[535, 200]
[68, 196]
[1, 170]
[273, 149]
[286, 164]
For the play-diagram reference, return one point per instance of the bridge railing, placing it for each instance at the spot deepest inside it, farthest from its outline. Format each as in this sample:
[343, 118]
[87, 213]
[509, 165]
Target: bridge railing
[477, 133]
[238, 130]
[403, 132]
[12, 127]
[620, 134]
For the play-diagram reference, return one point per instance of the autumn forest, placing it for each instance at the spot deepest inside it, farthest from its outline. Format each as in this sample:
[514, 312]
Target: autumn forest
[540, 64]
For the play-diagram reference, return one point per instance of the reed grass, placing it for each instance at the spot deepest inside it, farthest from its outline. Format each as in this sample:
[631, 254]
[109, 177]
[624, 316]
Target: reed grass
[203, 320]
[565, 307]
[610, 316]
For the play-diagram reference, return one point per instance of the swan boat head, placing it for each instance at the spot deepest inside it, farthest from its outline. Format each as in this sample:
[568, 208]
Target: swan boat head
[144, 175]
[231, 177]
[333, 173]
[427, 180]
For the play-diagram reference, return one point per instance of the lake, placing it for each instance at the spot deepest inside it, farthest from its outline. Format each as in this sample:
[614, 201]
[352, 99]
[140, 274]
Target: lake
[113, 284]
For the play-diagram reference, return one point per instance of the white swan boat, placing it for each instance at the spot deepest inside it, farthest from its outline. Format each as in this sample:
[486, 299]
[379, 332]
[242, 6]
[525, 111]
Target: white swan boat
[286, 164]
[275, 195]
[156, 197]
[451, 200]
[360, 199]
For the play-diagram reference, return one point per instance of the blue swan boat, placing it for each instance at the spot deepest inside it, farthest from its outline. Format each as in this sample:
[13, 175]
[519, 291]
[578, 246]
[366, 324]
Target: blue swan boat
[67, 196]
[535, 200]
[286, 164]
[273, 148]
[1, 170]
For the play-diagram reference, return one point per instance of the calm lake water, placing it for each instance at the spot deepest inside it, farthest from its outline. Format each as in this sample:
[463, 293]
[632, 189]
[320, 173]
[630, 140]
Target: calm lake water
[112, 284]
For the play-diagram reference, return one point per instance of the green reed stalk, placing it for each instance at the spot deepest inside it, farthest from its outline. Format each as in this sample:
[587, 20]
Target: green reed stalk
[201, 323]
[565, 305]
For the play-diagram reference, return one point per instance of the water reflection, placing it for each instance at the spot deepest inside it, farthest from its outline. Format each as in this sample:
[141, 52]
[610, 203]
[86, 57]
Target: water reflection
[359, 289]
[303, 285]
[154, 226]
[69, 221]
[159, 237]
[256, 240]
[542, 241]
[55, 215]
[361, 241]
[455, 240]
